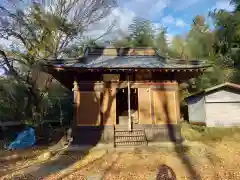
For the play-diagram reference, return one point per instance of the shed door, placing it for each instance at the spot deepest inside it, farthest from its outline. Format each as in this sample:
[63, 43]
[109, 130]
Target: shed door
[222, 114]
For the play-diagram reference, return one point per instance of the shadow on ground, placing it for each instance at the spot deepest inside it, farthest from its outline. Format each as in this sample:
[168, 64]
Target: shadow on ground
[179, 148]
[57, 157]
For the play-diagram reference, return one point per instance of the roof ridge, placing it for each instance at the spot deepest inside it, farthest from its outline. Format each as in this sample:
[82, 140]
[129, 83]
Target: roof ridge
[122, 51]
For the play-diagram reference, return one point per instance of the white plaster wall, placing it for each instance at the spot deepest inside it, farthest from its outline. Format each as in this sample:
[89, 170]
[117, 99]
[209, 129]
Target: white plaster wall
[222, 114]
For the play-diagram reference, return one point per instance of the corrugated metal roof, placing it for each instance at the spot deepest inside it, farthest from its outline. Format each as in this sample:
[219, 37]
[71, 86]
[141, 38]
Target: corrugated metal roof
[227, 84]
[209, 90]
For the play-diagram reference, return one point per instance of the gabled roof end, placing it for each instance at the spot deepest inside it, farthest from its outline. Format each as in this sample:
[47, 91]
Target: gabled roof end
[208, 90]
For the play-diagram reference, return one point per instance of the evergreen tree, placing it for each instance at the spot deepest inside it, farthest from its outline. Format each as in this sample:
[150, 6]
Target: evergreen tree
[178, 47]
[141, 33]
[161, 42]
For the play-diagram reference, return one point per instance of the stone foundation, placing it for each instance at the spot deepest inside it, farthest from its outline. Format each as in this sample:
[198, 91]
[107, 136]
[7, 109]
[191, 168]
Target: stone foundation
[92, 135]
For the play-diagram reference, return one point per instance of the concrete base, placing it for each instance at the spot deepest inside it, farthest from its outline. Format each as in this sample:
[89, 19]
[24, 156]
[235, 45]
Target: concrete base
[111, 148]
[93, 135]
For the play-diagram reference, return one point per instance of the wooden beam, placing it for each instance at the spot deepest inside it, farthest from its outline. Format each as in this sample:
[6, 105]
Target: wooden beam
[99, 86]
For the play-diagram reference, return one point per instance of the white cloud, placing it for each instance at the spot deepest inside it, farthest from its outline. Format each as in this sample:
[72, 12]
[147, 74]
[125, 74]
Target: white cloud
[167, 20]
[157, 25]
[125, 17]
[149, 9]
[158, 7]
[180, 23]
[122, 17]
[223, 4]
[169, 38]
[146, 8]
[155, 8]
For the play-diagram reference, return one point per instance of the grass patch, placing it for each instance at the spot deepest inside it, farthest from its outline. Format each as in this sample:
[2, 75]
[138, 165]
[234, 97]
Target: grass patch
[202, 133]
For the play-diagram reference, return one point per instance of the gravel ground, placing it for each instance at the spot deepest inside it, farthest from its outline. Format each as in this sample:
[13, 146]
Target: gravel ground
[214, 161]
[219, 161]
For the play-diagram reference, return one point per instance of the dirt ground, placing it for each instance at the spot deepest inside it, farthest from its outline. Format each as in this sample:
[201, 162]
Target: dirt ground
[10, 160]
[194, 160]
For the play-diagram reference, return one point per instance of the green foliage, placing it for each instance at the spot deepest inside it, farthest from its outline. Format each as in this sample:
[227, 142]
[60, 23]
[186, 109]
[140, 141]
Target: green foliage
[141, 33]
[214, 47]
[124, 42]
[41, 35]
[161, 42]
[236, 3]
[58, 104]
[228, 33]
[199, 45]
[11, 100]
[45, 34]
[199, 40]
[178, 47]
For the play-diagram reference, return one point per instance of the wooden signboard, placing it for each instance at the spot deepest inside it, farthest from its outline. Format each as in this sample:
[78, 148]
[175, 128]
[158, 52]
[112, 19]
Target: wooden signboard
[111, 77]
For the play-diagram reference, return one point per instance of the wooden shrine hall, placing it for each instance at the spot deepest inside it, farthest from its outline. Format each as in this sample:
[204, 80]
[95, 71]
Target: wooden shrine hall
[124, 96]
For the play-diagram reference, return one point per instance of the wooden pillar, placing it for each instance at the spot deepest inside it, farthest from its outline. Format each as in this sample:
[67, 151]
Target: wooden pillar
[76, 100]
[129, 107]
[108, 106]
[177, 103]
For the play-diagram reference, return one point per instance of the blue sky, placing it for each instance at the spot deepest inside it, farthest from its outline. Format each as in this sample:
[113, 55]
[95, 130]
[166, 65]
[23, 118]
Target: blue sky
[175, 14]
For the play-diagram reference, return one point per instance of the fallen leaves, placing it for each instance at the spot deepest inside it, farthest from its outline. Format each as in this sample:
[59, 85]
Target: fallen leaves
[211, 161]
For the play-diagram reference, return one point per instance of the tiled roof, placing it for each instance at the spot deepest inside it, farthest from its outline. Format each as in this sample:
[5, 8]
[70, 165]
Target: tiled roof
[127, 58]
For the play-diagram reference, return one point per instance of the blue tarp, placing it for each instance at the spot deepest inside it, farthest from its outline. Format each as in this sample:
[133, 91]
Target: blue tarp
[24, 139]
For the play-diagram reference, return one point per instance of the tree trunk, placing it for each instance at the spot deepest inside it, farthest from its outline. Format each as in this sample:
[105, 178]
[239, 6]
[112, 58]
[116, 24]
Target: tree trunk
[33, 108]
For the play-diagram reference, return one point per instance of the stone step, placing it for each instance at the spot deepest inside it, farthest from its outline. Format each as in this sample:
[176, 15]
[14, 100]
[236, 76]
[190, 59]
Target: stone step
[129, 133]
[130, 143]
[124, 139]
[122, 136]
[130, 138]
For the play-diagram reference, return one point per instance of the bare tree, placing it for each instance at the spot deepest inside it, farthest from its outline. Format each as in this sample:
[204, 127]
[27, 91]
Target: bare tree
[42, 31]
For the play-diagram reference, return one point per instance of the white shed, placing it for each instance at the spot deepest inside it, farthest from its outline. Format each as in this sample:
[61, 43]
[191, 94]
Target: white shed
[216, 106]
